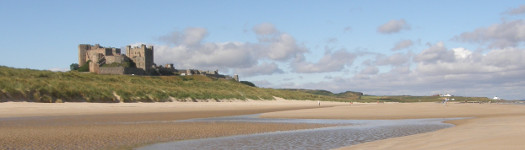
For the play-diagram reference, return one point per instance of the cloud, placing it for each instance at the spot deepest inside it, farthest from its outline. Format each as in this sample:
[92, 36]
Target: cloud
[370, 70]
[265, 29]
[506, 34]
[436, 53]
[189, 37]
[59, 69]
[394, 60]
[468, 73]
[402, 45]
[187, 50]
[206, 56]
[516, 11]
[282, 48]
[262, 83]
[330, 62]
[393, 26]
[261, 69]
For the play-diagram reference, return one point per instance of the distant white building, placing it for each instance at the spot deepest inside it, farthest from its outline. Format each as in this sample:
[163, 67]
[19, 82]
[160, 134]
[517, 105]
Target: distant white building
[495, 98]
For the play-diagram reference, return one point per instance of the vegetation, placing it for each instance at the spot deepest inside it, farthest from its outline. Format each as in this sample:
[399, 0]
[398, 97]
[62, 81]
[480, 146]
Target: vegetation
[84, 68]
[350, 95]
[74, 86]
[248, 83]
[74, 66]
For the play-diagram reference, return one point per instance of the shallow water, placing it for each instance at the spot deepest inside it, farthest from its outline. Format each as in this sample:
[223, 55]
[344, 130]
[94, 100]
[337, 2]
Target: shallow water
[348, 132]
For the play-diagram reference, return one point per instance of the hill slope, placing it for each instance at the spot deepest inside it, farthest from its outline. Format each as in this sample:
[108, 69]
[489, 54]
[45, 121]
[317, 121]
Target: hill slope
[47, 86]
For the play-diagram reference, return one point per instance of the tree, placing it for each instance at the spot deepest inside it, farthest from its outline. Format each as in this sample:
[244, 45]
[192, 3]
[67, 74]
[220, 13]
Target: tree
[74, 66]
[85, 67]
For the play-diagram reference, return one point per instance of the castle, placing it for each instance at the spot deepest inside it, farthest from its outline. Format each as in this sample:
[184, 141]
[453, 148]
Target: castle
[137, 61]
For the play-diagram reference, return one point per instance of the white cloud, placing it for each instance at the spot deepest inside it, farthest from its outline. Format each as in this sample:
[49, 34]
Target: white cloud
[468, 73]
[402, 45]
[59, 69]
[436, 53]
[187, 50]
[370, 70]
[516, 11]
[206, 56]
[330, 62]
[265, 29]
[393, 26]
[506, 34]
[394, 60]
[189, 37]
[261, 69]
[282, 48]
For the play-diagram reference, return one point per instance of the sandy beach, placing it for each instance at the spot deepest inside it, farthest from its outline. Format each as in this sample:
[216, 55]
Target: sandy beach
[26, 125]
[126, 125]
[493, 126]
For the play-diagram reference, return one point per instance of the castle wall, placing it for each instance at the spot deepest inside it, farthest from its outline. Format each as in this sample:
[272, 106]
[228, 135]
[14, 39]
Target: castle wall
[111, 70]
[115, 59]
[120, 70]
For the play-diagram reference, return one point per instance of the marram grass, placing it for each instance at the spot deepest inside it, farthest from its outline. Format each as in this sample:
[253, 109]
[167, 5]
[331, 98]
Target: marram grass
[50, 87]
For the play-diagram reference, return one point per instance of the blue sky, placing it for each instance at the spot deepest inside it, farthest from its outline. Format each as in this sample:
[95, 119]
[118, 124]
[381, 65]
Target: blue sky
[470, 48]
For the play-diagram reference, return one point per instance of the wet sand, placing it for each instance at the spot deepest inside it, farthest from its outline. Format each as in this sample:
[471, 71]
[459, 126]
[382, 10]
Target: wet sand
[123, 126]
[494, 126]
[113, 126]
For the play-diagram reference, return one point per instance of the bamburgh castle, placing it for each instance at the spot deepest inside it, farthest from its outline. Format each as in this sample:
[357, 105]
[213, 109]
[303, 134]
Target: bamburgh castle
[137, 61]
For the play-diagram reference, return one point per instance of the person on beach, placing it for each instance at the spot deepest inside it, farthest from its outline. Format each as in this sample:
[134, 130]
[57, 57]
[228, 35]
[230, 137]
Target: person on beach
[319, 102]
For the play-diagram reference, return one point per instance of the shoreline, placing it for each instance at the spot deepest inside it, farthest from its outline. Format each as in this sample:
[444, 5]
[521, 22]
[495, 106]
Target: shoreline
[110, 126]
[491, 126]
[76, 123]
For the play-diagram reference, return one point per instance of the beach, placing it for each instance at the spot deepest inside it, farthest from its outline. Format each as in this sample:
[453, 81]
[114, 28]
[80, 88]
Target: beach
[489, 126]
[26, 125]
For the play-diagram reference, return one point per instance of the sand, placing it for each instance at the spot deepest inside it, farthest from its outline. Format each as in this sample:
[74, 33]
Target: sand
[494, 126]
[110, 126]
[125, 125]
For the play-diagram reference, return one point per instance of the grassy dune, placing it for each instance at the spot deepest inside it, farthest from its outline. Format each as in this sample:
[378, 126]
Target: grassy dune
[54, 87]
[50, 87]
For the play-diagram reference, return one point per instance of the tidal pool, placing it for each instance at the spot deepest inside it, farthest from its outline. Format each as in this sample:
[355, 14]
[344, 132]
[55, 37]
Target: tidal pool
[346, 133]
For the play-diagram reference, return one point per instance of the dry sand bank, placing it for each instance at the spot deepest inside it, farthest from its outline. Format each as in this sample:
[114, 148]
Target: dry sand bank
[21, 109]
[495, 126]
[99, 126]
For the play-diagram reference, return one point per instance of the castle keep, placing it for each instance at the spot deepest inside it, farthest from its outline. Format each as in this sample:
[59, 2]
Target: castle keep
[138, 60]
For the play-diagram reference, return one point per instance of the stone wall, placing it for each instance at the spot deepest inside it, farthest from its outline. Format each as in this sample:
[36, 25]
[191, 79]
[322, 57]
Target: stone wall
[111, 70]
[115, 59]
[120, 70]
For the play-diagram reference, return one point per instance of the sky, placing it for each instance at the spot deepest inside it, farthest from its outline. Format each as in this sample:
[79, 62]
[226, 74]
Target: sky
[406, 47]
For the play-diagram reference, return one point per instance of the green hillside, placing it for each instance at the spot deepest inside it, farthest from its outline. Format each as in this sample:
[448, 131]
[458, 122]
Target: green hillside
[46, 86]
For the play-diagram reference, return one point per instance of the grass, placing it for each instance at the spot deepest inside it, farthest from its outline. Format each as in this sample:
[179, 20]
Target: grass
[57, 87]
[51, 87]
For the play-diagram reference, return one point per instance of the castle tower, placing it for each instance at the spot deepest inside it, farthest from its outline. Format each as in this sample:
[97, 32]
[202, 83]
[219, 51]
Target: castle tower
[236, 77]
[142, 56]
[82, 50]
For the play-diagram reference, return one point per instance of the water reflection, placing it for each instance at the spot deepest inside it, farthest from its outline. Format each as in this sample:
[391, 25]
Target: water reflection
[348, 132]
